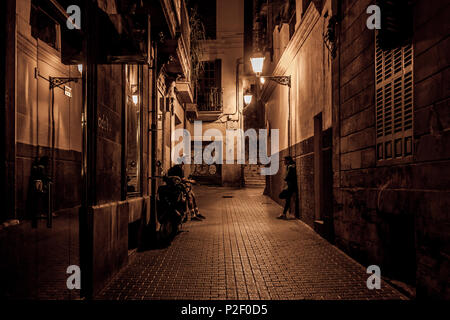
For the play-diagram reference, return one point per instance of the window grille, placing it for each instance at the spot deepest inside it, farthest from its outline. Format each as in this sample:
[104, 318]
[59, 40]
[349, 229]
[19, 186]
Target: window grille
[209, 90]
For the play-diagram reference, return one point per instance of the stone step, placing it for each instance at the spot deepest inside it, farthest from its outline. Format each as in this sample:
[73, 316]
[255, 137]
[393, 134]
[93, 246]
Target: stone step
[254, 185]
[254, 178]
[254, 182]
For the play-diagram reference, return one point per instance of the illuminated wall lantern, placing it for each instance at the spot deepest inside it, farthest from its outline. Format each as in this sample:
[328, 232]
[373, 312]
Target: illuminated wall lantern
[135, 93]
[257, 63]
[80, 68]
[247, 98]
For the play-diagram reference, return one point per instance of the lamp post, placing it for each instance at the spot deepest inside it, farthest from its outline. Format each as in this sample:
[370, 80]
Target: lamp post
[257, 62]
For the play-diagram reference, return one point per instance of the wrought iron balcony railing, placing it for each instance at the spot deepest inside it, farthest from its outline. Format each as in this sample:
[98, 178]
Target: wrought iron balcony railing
[210, 99]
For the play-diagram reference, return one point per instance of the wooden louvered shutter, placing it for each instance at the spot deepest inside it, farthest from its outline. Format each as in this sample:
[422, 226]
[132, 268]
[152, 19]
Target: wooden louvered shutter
[394, 102]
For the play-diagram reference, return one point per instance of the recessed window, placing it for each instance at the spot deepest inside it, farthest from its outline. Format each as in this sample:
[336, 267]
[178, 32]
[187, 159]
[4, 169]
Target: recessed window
[394, 101]
[44, 27]
[209, 89]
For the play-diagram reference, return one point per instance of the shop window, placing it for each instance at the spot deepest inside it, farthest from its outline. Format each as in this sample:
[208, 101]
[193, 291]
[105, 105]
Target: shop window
[133, 115]
[44, 27]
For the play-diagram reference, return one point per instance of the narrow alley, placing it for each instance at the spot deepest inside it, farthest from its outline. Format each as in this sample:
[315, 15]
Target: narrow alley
[241, 251]
[315, 135]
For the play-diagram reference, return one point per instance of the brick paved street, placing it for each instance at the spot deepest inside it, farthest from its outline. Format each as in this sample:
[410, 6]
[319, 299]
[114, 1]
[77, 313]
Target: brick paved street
[241, 251]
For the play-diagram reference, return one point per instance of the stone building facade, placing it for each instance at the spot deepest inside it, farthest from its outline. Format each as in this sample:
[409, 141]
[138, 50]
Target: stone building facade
[390, 207]
[294, 46]
[369, 127]
[222, 54]
[90, 111]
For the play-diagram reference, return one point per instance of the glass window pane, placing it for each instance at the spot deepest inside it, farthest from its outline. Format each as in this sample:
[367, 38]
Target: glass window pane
[133, 136]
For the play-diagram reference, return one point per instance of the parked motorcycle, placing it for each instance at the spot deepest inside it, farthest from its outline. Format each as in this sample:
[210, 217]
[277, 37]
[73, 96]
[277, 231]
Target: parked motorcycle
[171, 206]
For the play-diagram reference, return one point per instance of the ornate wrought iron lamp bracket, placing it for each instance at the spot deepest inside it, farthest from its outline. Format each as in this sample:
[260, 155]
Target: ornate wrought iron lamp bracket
[283, 80]
[59, 81]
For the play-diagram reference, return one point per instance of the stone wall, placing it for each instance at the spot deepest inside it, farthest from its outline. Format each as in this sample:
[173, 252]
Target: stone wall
[109, 138]
[304, 203]
[367, 225]
[111, 237]
[113, 213]
[431, 172]
[394, 216]
[66, 184]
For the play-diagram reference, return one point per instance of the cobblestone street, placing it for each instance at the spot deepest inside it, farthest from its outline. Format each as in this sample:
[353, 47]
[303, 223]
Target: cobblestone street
[241, 251]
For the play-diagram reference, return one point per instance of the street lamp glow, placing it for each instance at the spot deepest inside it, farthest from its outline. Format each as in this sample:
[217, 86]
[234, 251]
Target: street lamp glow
[80, 68]
[135, 98]
[262, 80]
[247, 98]
[257, 64]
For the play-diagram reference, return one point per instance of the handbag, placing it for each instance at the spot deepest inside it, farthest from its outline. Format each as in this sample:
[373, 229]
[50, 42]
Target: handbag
[284, 194]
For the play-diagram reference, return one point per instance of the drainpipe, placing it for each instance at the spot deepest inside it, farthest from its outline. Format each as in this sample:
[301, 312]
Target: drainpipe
[238, 62]
[154, 140]
[240, 117]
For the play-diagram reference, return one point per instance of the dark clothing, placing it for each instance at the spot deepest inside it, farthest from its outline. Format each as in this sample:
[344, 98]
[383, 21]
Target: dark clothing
[291, 180]
[287, 204]
[177, 171]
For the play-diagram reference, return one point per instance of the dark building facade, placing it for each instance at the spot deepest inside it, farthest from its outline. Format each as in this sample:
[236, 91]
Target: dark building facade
[84, 109]
[87, 116]
[290, 35]
[390, 158]
[369, 124]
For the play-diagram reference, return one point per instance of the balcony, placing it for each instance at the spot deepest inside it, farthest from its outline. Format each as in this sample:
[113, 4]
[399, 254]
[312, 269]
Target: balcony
[210, 103]
[124, 35]
[176, 48]
[191, 111]
[184, 91]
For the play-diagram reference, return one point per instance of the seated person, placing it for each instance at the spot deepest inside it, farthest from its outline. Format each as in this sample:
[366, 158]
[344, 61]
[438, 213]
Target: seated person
[178, 171]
